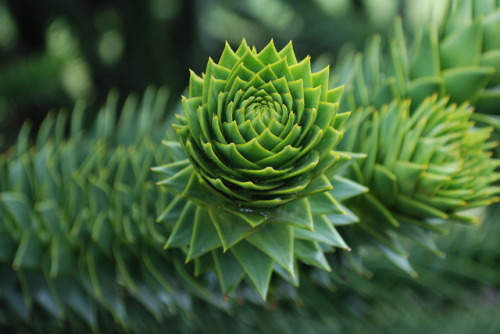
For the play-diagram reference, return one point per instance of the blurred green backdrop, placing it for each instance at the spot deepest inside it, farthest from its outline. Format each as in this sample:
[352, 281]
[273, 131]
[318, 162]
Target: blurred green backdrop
[55, 52]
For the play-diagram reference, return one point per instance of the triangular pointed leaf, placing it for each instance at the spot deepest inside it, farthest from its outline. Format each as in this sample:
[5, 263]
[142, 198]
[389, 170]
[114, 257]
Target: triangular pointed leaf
[344, 188]
[309, 252]
[276, 240]
[231, 228]
[324, 232]
[205, 236]
[178, 181]
[324, 203]
[257, 265]
[294, 280]
[183, 229]
[346, 219]
[297, 213]
[399, 260]
[228, 269]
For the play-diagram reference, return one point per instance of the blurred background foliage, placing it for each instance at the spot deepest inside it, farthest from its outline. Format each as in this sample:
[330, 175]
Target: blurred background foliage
[56, 52]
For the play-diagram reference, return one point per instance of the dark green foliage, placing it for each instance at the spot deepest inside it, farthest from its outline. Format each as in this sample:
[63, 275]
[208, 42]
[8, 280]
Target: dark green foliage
[30, 81]
[78, 229]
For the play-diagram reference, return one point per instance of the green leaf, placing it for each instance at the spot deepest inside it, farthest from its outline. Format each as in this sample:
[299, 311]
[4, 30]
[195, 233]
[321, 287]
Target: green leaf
[385, 182]
[302, 71]
[317, 185]
[172, 212]
[228, 58]
[17, 208]
[276, 240]
[101, 276]
[230, 227]
[321, 79]
[324, 203]
[422, 238]
[430, 183]
[179, 180]
[426, 61]
[256, 264]
[228, 269]
[452, 51]
[195, 85]
[183, 229]
[310, 253]
[8, 248]
[379, 211]
[491, 24]
[408, 174]
[399, 260]
[283, 273]
[288, 54]
[418, 208]
[488, 100]
[127, 264]
[250, 61]
[344, 188]
[347, 218]
[80, 302]
[269, 55]
[297, 213]
[421, 88]
[50, 216]
[253, 151]
[153, 261]
[29, 253]
[464, 83]
[196, 288]
[324, 232]
[62, 256]
[205, 237]
[175, 151]
[191, 106]
[203, 264]
[491, 59]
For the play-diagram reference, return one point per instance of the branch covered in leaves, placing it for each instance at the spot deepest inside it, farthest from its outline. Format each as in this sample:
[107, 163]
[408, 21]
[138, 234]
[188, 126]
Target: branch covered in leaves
[259, 183]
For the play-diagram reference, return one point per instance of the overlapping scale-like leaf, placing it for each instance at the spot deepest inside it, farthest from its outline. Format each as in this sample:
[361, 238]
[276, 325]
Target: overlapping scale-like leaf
[259, 133]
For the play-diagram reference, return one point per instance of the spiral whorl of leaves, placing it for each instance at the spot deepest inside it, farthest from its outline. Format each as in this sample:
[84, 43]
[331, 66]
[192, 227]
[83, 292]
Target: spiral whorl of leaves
[256, 183]
[78, 237]
[422, 167]
[457, 56]
[426, 160]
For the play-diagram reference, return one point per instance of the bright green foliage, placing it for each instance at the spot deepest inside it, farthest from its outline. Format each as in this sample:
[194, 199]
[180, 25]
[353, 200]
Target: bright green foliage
[260, 128]
[423, 168]
[424, 154]
[258, 182]
[437, 62]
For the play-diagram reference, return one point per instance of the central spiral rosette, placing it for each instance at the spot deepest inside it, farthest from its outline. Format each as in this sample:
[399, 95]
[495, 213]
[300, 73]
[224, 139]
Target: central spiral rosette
[255, 172]
[261, 127]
